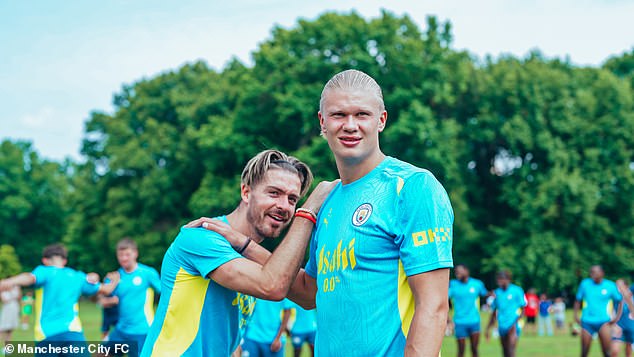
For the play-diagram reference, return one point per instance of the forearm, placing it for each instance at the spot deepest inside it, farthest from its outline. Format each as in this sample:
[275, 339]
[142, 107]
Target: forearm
[22, 279]
[575, 312]
[282, 266]
[107, 288]
[427, 330]
[492, 319]
[256, 253]
[286, 315]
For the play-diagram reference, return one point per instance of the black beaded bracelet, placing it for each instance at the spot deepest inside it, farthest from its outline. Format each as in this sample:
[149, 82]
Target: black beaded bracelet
[244, 247]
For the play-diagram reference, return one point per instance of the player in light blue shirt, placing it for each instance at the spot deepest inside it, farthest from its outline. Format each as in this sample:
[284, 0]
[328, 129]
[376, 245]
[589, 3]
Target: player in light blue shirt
[382, 243]
[508, 307]
[623, 332]
[265, 336]
[465, 293]
[596, 297]
[134, 296]
[207, 287]
[57, 291]
[303, 329]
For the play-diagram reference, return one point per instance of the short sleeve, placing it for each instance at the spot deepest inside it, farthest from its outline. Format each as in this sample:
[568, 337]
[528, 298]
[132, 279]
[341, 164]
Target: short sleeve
[424, 225]
[451, 288]
[311, 266]
[483, 290]
[616, 295]
[521, 298]
[287, 304]
[494, 304]
[87, 288]
[203, 250]
[41, 273]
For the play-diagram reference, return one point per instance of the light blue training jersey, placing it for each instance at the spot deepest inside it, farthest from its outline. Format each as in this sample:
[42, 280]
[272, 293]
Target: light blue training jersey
[508, 304]
[598, 300]
[266, 320]
[305, 321]
[136, 299]
[626, 322]
[57, 292]
[197, 316]
[372, 234]
[465, 299]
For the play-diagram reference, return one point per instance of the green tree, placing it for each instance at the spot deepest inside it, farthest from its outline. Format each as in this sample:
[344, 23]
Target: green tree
[9, 262]
[32, 207]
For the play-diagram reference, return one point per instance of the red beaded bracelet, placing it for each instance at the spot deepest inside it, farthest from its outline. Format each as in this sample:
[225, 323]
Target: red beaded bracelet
[306, 215]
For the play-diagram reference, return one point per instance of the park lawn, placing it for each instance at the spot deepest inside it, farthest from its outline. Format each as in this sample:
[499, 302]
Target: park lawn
[560, 345]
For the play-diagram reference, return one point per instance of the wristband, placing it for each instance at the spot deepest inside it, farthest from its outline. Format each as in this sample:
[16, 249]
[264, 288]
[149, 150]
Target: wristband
[244, 247]
[306, 215]
[309, 211]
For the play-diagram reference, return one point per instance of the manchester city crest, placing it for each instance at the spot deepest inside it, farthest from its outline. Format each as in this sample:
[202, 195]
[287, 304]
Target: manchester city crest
[362, 214]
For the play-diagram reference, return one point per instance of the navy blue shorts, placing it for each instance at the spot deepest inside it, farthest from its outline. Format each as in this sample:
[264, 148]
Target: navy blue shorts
[505, 330]
[592, 328]
[110, 319]
[121, 343]
[298, 339]
[466, 330]
[253, 348]
[65, 340]
[623, 334]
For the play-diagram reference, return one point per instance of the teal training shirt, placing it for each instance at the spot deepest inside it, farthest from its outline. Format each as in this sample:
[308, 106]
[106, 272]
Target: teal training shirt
[305, 321]
[465, 299]
[136, 299]
[598, 300]
[57, 292]
[372, 234]
[266, 320]
[626, 322]
[197, 316]
[508, 304]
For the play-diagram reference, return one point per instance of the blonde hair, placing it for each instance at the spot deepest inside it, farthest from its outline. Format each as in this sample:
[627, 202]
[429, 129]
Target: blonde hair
[350, 80]
[266, 160]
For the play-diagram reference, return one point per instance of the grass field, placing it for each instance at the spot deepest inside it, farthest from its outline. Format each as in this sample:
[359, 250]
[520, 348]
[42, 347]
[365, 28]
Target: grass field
[560, 345]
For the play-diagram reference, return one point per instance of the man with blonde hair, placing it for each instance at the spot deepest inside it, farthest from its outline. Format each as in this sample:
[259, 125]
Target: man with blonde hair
[208, 288]
[381, 250]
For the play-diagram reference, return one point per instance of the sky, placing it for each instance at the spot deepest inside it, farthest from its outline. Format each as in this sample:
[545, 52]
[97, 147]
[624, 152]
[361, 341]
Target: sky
[61, 60]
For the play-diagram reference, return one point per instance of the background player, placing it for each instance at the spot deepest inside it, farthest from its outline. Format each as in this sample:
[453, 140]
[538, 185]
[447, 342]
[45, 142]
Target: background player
[465, 293]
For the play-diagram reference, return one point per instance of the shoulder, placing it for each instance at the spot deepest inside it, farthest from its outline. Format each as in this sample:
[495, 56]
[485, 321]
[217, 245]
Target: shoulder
[146, 269]
[401, 170]
[41, 269]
